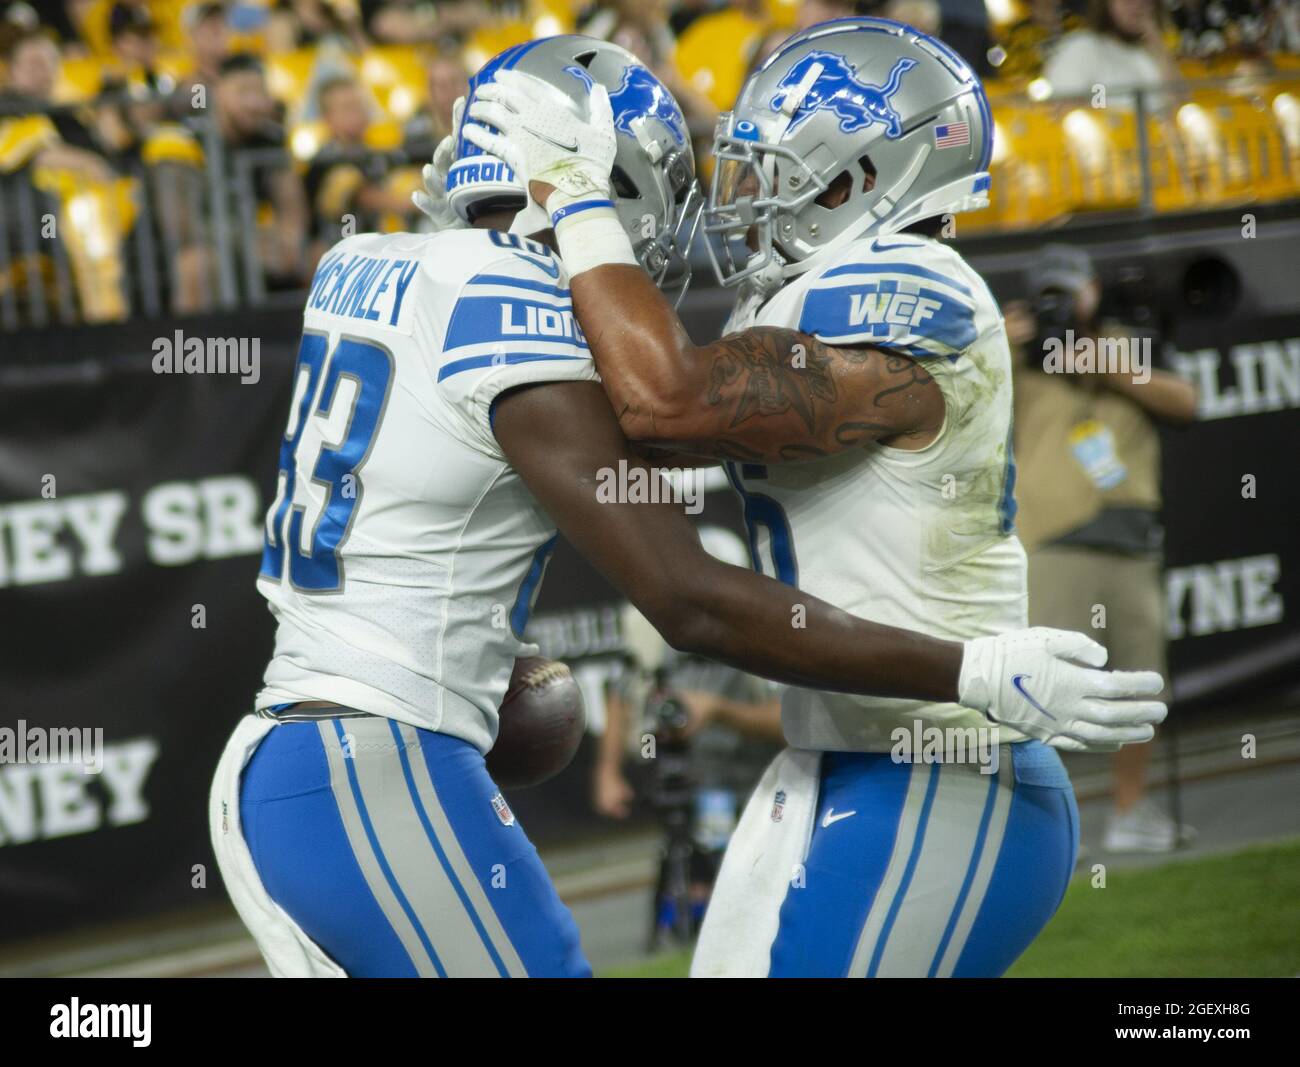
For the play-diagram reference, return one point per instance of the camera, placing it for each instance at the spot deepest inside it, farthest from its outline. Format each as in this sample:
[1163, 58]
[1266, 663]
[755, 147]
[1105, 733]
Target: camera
[1056, 311]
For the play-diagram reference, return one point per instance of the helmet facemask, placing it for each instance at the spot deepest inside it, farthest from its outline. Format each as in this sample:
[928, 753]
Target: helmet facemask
[755, 189]
[662, 220]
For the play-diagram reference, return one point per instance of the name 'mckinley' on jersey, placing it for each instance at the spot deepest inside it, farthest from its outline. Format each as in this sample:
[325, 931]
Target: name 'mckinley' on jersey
[402, 552]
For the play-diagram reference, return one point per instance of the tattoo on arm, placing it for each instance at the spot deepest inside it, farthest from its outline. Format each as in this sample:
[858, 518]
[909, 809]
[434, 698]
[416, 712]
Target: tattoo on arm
[762, 364]
[762, 376]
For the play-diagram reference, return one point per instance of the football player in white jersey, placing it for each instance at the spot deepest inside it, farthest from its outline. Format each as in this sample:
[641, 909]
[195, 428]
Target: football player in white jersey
[446, 418]
[862, 399]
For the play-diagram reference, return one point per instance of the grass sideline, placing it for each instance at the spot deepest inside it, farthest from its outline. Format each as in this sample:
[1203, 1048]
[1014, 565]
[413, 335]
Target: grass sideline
[1235, 915]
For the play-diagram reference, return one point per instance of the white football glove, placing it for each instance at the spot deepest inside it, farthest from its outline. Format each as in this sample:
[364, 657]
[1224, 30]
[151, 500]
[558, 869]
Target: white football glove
[542, 138]
[432, 199]
[1046, 683]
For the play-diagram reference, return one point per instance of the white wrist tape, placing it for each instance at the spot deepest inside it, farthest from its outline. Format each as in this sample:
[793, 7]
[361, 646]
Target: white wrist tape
[588, 232]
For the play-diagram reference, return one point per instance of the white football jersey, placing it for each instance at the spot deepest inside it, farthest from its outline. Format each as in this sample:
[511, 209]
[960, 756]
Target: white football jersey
[403, 553]
[921, 539]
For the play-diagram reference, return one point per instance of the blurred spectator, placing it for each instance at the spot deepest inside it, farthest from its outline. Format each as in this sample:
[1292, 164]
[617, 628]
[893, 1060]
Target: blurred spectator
[63, 138]
[303, 23]
[60, 19]
[964, 27]
[346, 183]
[1088, 488]
[134, 38]
[646, 18]
[1027, 43]
[1208, 28]
[209, 45]
[723, 43]
[48, 155]
[924, 15]
[176, 157]
[445, 81]
[247, 121]
[415, 22]
[1121, 48]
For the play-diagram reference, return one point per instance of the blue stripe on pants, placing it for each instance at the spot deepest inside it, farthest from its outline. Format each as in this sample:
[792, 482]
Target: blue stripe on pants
[978, 863]
[540, 927]
[843, 871]
[508, 913]
[1029, 881]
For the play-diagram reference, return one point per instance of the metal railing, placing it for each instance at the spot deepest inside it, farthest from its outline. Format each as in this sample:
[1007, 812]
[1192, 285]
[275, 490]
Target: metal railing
[1188, 147]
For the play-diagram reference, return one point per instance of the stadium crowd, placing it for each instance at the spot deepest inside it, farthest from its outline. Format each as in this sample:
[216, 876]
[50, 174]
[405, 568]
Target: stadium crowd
[287, 123]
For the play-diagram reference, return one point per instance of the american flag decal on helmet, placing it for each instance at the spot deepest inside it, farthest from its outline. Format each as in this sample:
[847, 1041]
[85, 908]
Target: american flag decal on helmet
[951, 135]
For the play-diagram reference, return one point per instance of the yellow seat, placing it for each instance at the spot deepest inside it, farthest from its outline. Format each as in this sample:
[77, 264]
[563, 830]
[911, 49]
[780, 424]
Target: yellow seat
[497, 37]
[395, 76]
[384, 135]
[713, 54]
[1027, 151]
[79, 79]
[549, 17]
[289, 73]
[781, 14]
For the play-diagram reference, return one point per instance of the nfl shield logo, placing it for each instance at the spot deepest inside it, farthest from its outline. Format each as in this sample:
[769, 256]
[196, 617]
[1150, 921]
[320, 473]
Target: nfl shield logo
[503, 811]
[778, 805]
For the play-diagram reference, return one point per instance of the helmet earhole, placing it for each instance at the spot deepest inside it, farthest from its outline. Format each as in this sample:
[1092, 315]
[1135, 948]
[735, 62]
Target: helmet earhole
[868, 172]
[837, 192]
[624, 187]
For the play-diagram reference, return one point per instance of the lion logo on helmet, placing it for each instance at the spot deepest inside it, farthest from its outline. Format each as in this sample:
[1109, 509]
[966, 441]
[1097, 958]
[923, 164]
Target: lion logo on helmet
[639, 95]
[835, 87]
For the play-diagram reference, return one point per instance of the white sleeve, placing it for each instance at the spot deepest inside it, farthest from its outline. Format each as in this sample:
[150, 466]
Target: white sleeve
[898, 294]
[1071, 70]
[512, 324]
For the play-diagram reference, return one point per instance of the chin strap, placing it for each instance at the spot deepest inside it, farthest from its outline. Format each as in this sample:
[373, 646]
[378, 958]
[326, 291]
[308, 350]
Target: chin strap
[888, 200]
[754, 292]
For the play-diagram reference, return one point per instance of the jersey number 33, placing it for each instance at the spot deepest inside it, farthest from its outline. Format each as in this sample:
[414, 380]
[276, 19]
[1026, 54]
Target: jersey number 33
[339, 398]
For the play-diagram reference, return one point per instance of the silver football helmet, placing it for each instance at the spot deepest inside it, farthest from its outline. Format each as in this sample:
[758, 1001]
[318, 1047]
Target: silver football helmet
[655, 192]
[853, 127]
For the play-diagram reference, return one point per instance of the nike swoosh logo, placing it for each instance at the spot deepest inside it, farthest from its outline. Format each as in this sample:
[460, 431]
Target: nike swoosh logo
[831, 817]
[1019, 686]
[558, 144]
[544, 266]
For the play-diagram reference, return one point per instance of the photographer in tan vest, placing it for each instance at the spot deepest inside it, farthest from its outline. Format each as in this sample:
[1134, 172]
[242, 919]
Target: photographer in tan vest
[1088, 487]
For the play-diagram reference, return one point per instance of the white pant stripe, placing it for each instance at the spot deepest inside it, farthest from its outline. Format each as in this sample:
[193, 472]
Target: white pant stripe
[365, 856]
[411, 857]
[908, 821]
[460, 864]
[988, 861]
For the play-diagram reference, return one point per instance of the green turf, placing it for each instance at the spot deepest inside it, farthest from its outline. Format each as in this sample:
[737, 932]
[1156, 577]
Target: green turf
[1233, 915]
[664, 965]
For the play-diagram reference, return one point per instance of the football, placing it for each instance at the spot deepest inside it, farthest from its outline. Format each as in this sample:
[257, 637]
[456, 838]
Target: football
[542, 723]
